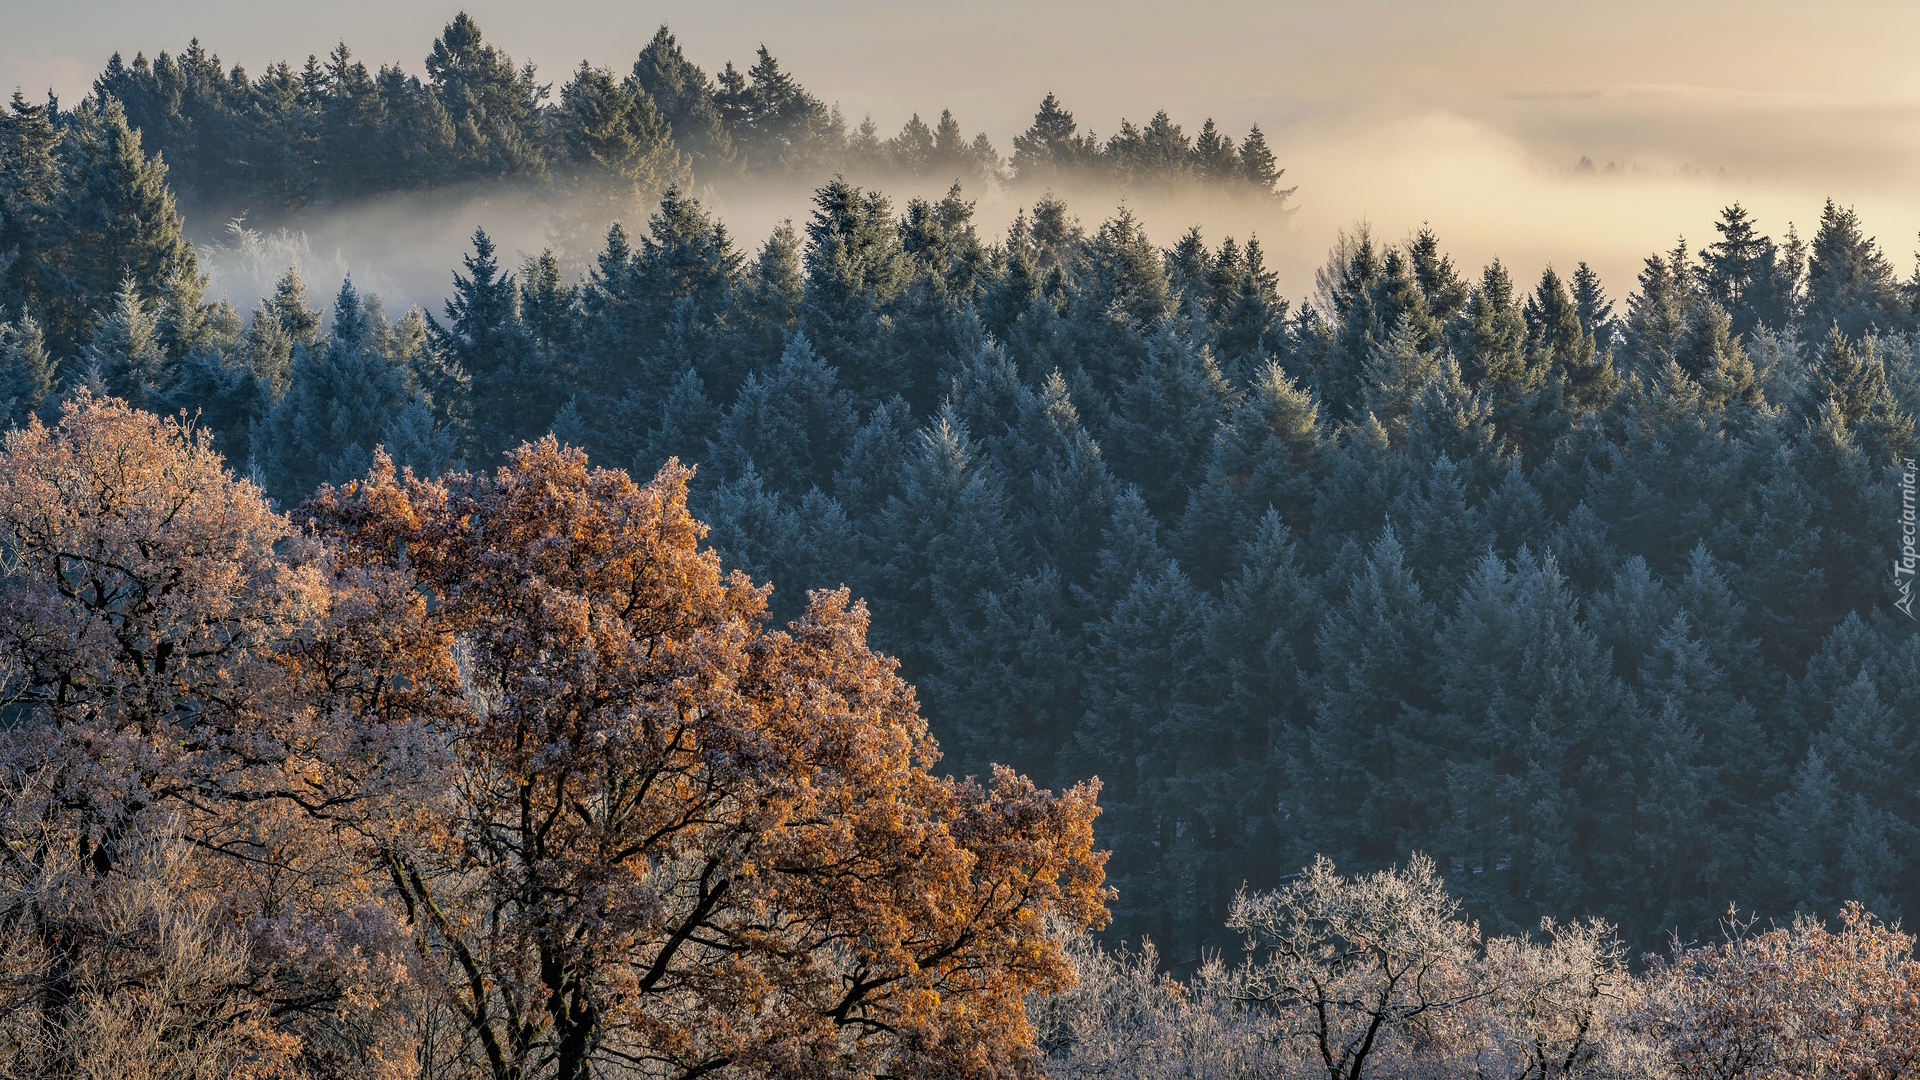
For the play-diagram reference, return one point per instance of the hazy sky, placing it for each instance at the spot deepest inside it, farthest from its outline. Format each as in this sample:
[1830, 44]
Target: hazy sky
[1466, 115]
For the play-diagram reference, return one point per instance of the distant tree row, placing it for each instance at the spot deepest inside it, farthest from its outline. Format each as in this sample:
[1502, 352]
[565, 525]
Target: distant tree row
[332, 129]
[1589, 601]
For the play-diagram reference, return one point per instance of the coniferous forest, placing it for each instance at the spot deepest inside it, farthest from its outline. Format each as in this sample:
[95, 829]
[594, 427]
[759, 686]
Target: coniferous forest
[338, 640]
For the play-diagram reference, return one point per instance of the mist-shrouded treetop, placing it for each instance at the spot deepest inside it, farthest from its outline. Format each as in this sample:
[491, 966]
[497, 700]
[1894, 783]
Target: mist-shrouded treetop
[334, 130]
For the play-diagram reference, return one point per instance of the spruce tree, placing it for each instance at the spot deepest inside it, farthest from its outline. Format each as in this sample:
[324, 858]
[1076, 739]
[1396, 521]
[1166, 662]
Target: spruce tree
[1558, 343]
[1051, 145]
[28, 375]
[1850, 284]
[856, 269]
[29, 179]
[112, 220]
[611, 134]
[1393, 373]
[793, 424]
[1143, 658]
[124, 356]
[491, 105]
[344, 399]
[1265, 459]
[684, 96]
[1365, 782]
[1165, 420]
[486, 340]
[1543, 742]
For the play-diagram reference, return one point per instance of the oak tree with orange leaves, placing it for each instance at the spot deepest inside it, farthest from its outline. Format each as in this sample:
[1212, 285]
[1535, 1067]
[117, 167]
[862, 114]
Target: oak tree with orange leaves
[674, 839]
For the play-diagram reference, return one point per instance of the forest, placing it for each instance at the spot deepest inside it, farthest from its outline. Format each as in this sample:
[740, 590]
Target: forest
[883, 648]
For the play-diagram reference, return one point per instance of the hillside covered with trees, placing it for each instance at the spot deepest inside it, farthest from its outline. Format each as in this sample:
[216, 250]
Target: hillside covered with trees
[1584, 603]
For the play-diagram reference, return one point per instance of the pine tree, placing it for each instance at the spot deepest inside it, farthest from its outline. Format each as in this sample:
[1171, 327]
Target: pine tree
[1657, 316]
[1491, 340]
[1143, 656]
[1847, 388]
[1850, 784]
[1393, 373]
[288, 307]
[937, 541]
[124, 355]
[1063, 491]
[610, 133]
[1251, 328]
[1450, 420]
[1363, 476]
[547, 305]
[768, 300]
[1777, 296]
[679, 424]
[875, 461]
[1786, 581]
[29, 179]
[1631, 614]
[1733, 269]
[856, 269]
[1558, 343]
[1445, 534]
[616, 328]
[1516, 513]
[1257, 165]
[492, 106]
[687, 255]
[1051, 146]
[1259, 640]
[1543, 737]
[1125, 275]
[1213, 153]
[1595, 310]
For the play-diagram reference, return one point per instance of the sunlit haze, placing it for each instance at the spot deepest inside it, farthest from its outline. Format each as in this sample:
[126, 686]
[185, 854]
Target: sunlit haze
[1468, 116]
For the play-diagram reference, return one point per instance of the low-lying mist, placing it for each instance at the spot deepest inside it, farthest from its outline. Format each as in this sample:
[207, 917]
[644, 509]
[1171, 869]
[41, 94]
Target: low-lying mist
[1482, 191]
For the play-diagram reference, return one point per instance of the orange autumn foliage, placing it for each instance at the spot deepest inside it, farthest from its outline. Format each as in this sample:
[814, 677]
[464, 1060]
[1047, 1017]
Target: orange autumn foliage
[494, 776]
[677, 839]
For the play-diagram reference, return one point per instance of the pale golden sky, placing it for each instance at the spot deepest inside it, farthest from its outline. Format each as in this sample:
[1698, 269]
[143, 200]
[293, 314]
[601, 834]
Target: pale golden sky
[1467, 115]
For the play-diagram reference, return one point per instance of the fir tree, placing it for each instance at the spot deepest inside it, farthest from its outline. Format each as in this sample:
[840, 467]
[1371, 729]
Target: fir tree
[1543, 740]
[683, 94]
[1364, 776]
[111, 220]
[343, 401]
[125, 356]
[1264, 460]
[1052, 145]
[28, 375]
[1165, 420]
[1850, 284]
[793, 425]
[486, 340]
